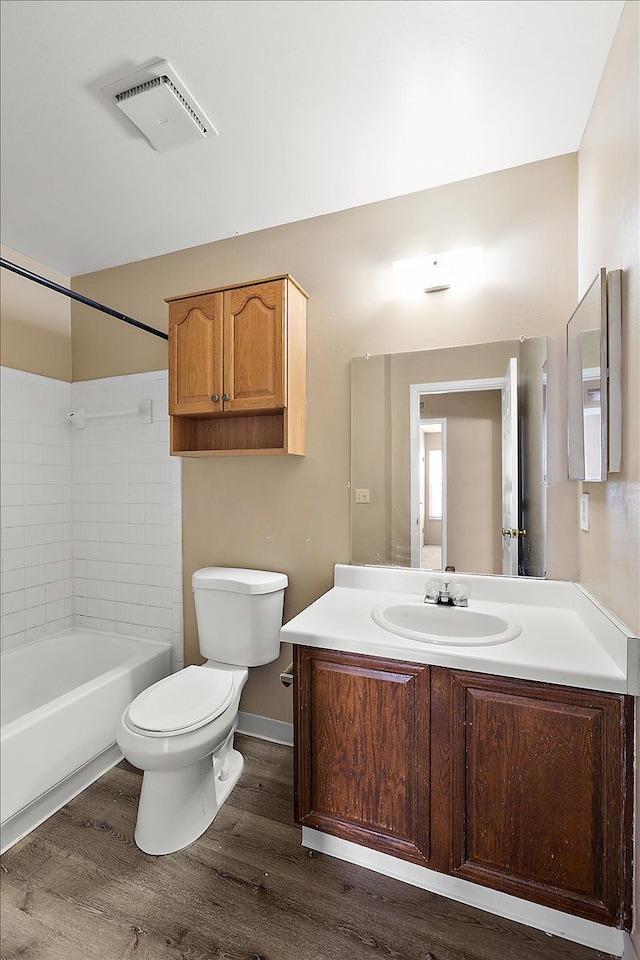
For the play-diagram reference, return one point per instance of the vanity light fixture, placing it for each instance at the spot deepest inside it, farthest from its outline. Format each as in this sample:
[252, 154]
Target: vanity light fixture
[414, 277]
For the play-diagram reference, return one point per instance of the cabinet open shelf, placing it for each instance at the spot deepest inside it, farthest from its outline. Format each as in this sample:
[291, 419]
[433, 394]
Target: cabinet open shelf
[226, 436]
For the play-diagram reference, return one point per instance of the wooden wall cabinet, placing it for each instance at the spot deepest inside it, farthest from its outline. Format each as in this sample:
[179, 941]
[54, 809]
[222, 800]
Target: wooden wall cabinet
[237, 370]
[521, 786]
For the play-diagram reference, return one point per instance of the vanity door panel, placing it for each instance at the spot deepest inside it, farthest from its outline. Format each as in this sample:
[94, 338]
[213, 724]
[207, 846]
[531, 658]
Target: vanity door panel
[362, 750]
[542, 784]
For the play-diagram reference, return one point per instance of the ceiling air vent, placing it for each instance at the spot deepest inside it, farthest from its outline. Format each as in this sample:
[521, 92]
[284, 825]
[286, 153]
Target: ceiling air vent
[156, 100]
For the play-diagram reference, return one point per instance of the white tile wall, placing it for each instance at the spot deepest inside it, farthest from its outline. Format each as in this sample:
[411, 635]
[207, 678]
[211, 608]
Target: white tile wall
[35, 507]
[127, 506]
[91, 518]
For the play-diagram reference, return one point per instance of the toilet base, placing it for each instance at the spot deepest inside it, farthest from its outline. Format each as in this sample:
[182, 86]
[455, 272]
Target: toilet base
[177, 806]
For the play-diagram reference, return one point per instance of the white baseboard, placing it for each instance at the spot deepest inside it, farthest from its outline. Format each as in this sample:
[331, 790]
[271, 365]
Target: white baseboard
[265, 728]
[553, 922]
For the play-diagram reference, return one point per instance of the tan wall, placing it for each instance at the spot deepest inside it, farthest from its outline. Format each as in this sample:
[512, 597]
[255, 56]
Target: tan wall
[609, 204]
[35, 324]
[609, 208]
[103, 346]
[371, 460]
[292, 514]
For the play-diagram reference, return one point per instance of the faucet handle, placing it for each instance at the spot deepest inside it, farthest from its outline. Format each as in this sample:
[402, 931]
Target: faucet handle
[460, 594]
[431, 591]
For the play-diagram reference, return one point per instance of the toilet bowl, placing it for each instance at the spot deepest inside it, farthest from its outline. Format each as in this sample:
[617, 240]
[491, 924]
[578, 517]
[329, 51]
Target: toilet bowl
[180, 730]
[183, 741]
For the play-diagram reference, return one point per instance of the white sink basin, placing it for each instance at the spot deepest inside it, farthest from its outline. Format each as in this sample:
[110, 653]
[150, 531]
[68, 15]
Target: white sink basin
[449, 625]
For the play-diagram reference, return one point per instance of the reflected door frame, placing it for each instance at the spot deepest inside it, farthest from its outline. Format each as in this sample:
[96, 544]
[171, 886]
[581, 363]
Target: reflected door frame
[510, 472]
[423, 513]
[416, 390]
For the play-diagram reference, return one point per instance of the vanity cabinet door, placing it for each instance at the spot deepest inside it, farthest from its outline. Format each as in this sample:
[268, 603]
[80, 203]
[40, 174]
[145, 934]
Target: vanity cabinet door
[542, 785]
[362, 750]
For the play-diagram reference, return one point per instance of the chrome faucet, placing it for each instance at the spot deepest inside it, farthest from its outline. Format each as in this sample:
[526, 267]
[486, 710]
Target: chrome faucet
[444, 598]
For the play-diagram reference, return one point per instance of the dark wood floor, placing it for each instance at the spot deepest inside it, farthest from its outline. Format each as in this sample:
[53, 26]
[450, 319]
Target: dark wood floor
[78, 888]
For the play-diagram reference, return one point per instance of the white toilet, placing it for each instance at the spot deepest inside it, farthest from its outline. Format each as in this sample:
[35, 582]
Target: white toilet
[180, 730]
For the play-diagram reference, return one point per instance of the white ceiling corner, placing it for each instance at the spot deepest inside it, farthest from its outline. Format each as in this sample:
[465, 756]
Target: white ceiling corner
[321, 105]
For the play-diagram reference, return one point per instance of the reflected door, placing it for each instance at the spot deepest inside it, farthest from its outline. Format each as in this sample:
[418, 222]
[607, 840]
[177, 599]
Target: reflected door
[510, 512]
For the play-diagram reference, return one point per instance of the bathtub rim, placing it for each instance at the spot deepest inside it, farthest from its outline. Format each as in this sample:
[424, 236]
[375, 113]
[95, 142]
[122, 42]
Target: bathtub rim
[45, 710]
[143, 653]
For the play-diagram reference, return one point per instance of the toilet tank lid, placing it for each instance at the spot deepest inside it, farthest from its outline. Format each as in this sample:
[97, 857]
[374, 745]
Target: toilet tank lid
[237, 580]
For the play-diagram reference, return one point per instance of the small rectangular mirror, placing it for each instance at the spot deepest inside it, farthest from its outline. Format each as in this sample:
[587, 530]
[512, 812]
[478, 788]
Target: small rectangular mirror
[593, 381]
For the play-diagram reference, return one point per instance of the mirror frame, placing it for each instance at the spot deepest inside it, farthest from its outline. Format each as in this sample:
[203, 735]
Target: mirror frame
[606, 290]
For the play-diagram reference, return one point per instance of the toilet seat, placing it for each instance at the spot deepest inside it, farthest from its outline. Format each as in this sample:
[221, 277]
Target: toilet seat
[181, 702]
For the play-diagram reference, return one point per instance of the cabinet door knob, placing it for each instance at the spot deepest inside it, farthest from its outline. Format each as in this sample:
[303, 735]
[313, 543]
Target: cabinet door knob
[215, 397]
[225, 396]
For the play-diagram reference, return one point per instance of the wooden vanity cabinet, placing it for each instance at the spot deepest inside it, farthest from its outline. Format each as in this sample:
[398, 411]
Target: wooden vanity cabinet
[237, 370]
[520, 786]
[363, 750]
[542, 795]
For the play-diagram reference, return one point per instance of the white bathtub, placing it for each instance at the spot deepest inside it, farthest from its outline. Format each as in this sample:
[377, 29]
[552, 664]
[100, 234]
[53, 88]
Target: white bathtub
[60, 701]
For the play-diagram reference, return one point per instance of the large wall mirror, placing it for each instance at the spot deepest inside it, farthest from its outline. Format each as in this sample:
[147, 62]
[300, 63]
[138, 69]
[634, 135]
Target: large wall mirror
[448, 458]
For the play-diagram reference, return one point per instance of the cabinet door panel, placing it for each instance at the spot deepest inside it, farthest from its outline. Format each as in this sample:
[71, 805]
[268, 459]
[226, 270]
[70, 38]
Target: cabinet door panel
[363, 751]
[254, 352]
[537, 776]
[195, 354]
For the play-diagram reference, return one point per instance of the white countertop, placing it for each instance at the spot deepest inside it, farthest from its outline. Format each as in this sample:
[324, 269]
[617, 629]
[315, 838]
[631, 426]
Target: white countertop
[566, 637]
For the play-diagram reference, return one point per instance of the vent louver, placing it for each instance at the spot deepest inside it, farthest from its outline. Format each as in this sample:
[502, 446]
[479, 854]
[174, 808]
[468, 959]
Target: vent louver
[158, 103]
[150, 84]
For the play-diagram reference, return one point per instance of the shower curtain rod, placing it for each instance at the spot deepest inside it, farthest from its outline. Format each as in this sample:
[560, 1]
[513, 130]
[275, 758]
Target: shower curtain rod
[78, 296]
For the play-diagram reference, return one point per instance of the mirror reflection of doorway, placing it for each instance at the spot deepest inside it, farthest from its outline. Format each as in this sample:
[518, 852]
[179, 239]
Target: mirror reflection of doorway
[471, 504]
[432, 493]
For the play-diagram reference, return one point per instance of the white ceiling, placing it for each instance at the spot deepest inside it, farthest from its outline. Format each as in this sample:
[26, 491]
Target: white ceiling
[320, 106]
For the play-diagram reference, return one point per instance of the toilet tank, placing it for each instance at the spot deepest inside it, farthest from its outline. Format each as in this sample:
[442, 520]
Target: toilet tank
[239, 614]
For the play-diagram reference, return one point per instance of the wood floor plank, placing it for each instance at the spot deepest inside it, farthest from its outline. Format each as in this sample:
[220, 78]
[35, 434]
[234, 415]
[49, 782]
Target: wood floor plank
[246, 890]
[25, 936]
[359, 904]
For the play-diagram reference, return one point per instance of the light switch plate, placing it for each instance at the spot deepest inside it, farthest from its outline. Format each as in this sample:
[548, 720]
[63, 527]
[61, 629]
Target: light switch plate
[584, 512]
